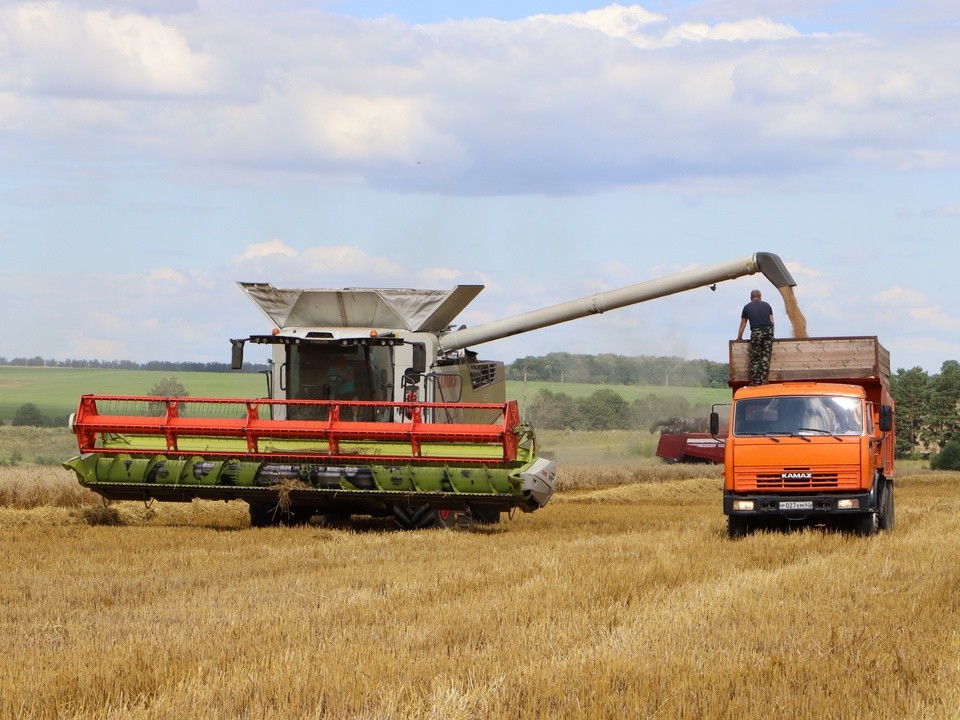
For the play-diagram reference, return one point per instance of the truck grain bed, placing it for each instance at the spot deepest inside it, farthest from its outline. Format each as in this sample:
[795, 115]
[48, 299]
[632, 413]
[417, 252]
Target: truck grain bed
[826, 358]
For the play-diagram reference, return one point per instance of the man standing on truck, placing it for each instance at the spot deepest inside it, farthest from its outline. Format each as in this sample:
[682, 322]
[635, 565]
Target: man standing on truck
[760, 315]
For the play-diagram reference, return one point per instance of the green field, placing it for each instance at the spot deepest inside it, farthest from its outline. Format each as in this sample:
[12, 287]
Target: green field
[56, 391]
[696, 396]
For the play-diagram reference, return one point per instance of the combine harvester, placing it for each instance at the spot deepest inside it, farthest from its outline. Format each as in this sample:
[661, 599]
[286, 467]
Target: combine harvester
[688, 440]
[375, 407]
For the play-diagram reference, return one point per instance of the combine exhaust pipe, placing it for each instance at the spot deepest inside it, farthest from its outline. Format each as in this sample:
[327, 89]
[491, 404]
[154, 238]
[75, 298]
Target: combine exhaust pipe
[767, 263]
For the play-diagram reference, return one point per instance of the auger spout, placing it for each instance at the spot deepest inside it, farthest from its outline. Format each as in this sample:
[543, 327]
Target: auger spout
[767, 263]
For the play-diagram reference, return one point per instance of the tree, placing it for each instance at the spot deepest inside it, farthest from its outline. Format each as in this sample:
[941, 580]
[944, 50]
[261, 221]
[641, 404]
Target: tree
[605, 409]
[29, 414]
[168, 387]
[911, 391]
[943, 422]
[553, 411]
[948, 458]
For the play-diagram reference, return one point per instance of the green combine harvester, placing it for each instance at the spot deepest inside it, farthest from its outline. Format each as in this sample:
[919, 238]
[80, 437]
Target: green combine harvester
[375, 407]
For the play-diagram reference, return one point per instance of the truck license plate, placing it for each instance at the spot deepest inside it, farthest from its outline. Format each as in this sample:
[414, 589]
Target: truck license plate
[796, 505]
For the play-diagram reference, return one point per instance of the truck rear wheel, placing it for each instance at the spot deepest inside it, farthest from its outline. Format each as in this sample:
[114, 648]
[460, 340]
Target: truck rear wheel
[886, 507]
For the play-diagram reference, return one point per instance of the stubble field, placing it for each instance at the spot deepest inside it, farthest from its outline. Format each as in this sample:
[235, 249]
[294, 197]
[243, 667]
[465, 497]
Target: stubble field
[622, 598]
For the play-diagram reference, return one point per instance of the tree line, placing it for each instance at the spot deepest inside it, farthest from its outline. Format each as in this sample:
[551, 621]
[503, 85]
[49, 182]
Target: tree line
[158, 365]
[927, 409]
[610, 369]
[606, 409]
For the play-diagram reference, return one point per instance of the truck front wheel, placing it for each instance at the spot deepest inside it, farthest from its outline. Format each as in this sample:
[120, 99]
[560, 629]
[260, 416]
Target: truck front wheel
[866, 524]
[738, 526]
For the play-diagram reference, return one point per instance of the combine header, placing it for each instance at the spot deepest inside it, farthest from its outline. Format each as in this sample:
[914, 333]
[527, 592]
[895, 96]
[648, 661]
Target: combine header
[375, 407]
[178, 449]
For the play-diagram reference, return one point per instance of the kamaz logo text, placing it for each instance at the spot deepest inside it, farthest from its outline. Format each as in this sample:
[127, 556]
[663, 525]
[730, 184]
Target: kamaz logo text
[796, 476]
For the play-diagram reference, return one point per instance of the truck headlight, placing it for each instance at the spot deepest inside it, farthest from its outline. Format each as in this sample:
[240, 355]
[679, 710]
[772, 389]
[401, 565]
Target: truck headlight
[743, 505]
[848, 504]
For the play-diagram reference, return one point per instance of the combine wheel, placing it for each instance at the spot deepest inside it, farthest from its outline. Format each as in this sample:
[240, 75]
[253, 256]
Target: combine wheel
[420, 517]
[268, 514]
[485, 516]
[294, 516]
[330, 520]
[263, 515]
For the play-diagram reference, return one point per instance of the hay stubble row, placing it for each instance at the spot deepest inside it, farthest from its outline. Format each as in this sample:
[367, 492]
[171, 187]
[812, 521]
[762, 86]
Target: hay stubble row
[620, 599]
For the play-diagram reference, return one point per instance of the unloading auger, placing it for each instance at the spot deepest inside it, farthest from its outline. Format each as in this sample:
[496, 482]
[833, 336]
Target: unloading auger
[375, 407]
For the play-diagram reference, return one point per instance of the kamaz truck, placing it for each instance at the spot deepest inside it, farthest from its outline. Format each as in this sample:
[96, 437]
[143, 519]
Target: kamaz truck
[815, 444]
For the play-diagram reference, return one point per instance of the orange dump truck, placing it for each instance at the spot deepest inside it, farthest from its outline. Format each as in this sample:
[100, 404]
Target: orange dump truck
[814, 445]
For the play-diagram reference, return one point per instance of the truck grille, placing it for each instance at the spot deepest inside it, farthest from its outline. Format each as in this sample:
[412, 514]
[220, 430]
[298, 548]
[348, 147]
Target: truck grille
[799, 478]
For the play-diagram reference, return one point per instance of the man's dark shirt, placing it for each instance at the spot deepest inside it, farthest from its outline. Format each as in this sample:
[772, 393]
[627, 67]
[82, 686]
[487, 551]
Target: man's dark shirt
[758, 312]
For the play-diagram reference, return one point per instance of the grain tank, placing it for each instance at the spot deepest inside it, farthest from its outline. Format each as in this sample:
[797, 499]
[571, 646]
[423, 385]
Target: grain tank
[376, 405]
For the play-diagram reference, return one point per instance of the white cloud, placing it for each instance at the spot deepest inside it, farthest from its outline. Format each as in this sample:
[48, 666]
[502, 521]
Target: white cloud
[108, 323]
[322, 265]
[649, 30]
[900, 297]
[550, 104]
[438, 275]
[741, 31]
[933, 316]
[85, 347]
[345, 261]
[614, 20]
[53, 49]
[258, 251]
[167, 276]
[949, 210]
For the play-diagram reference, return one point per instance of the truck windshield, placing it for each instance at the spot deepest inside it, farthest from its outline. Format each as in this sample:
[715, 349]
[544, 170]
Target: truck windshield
[798, 415]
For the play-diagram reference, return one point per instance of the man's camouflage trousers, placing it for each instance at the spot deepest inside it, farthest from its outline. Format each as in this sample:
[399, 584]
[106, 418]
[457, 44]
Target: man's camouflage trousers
[761, 345]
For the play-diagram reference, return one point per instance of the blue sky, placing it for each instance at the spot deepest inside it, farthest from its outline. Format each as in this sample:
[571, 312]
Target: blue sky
[153, 153]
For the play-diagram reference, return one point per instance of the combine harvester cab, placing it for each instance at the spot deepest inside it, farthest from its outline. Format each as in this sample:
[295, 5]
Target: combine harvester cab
[375, 406]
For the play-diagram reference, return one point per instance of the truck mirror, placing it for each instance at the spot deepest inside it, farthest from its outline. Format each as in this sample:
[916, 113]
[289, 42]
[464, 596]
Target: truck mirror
[419, 357]
[714, 423]
[236, 356]
[886, 418]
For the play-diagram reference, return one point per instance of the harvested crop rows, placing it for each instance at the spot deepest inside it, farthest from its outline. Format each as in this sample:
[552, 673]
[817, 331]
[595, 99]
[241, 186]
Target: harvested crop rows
[622, 598]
